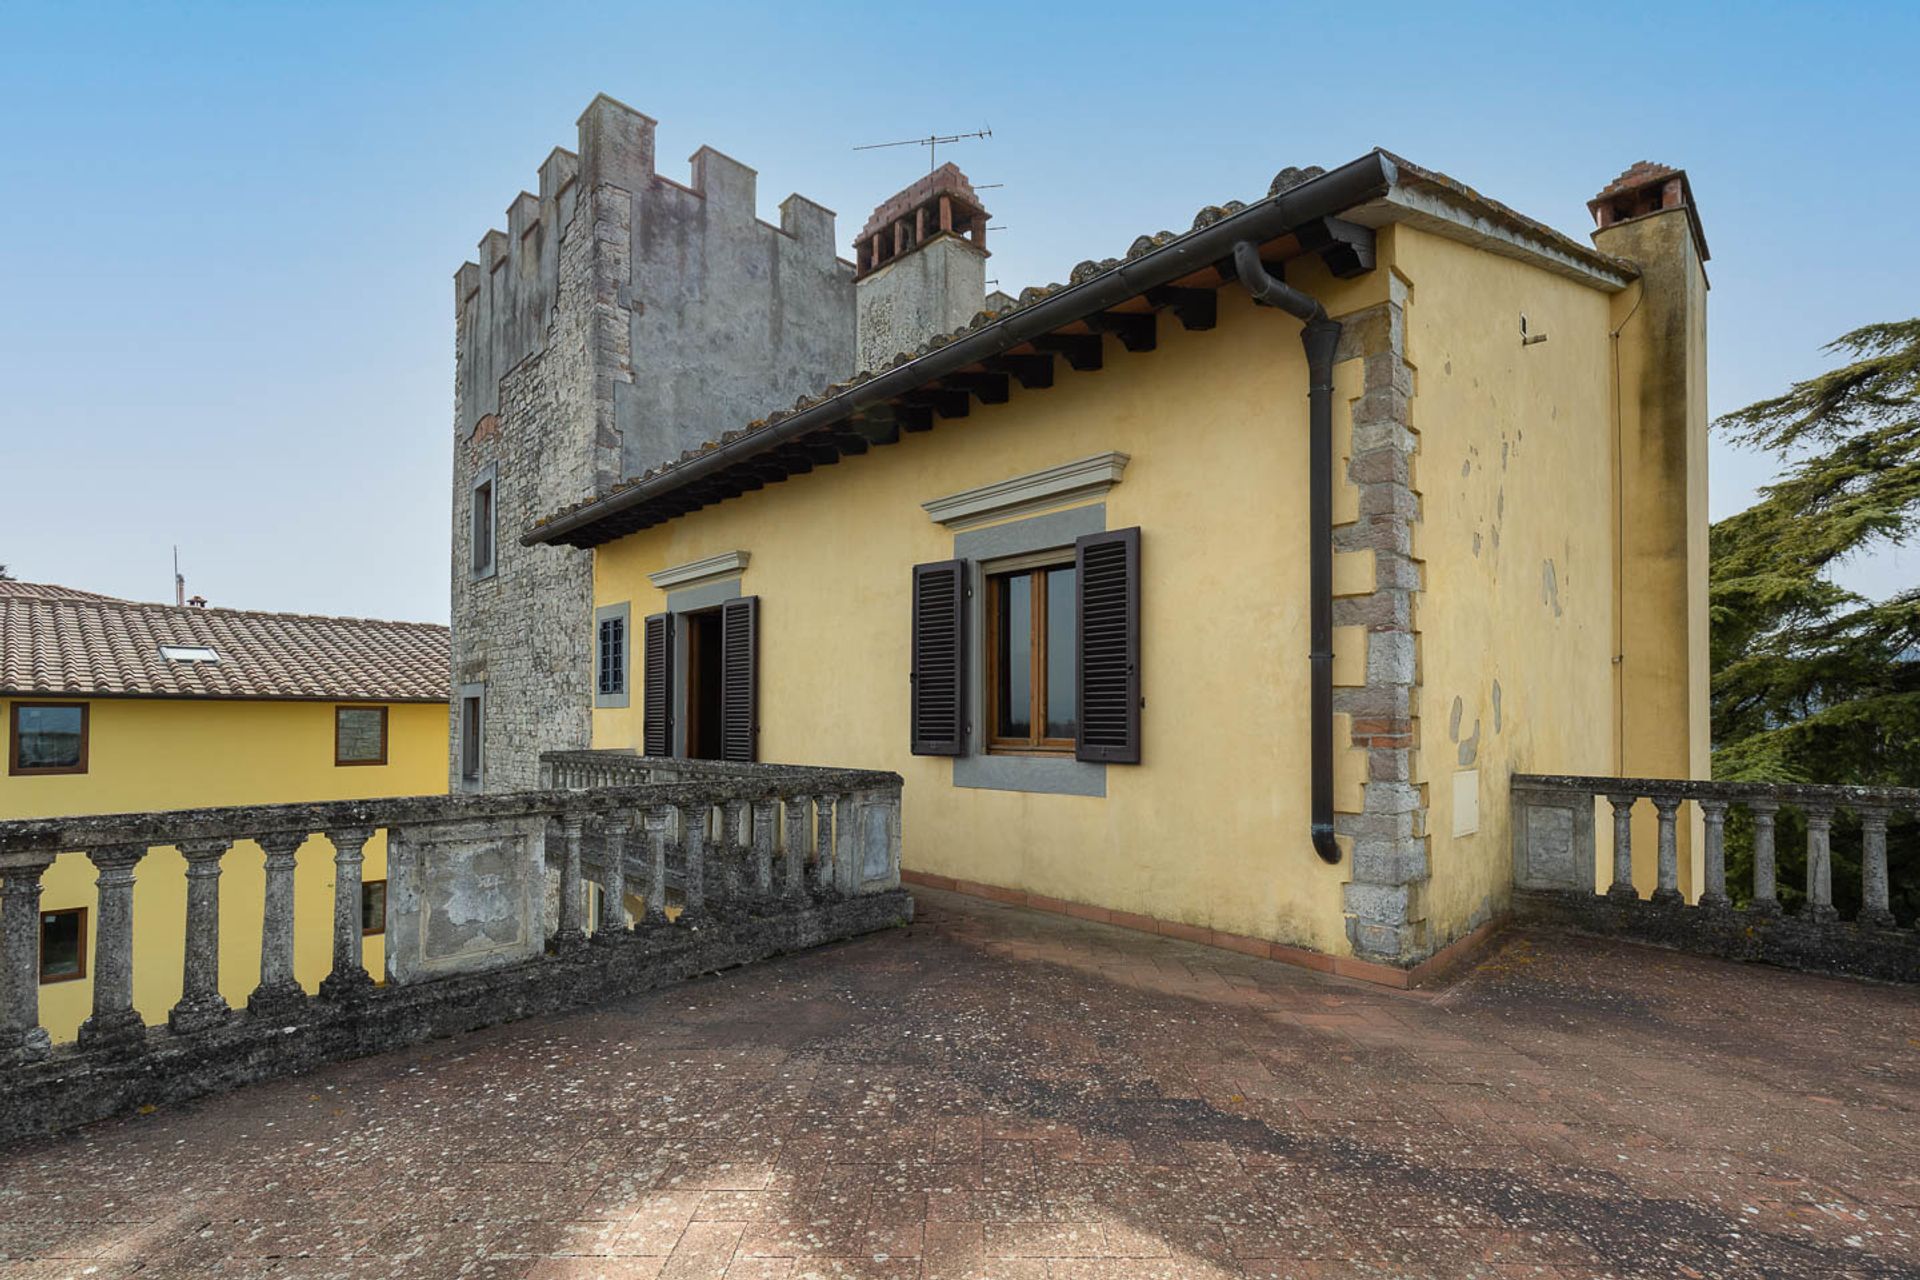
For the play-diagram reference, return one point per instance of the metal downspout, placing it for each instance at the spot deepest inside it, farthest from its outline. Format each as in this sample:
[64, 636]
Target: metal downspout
[1319, 336]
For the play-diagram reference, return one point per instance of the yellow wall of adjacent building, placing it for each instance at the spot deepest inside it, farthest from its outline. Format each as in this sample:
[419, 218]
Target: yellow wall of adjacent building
[1211, 829]
[186, 753]
[1516, 535]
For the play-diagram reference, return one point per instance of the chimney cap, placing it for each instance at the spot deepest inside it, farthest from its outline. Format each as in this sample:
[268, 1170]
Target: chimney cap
[1646, 187]
[947, 180]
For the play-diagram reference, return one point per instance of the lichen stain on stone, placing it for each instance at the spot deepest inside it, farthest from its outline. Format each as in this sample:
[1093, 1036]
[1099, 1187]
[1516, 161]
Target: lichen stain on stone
[1550, 586]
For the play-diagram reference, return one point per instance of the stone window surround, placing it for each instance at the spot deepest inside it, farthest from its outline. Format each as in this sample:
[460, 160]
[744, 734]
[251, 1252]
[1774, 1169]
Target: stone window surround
[623, 613]
[462, 782]
[980, 548]
[487, 476]
[706, 594]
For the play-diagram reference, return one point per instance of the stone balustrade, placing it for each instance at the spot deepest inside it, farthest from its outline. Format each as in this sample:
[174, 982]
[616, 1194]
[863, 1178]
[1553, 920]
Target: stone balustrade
[485, 916]
[1556, 866]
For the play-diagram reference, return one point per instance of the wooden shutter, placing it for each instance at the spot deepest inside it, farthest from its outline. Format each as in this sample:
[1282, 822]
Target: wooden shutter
[939, 658]
[657, 686]
[1108, 567]
[739, 665]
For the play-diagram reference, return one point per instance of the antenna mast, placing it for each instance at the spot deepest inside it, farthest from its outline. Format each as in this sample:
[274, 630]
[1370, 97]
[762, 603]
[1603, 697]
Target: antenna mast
[932, 142]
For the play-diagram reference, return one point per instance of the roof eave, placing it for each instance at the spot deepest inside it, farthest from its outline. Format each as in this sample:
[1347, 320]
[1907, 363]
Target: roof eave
[1367, 178]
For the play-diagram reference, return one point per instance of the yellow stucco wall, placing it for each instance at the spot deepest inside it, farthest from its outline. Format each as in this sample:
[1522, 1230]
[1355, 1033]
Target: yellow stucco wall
[186, 753]
[1211, 829]
[1515, 539]
[1516, 622]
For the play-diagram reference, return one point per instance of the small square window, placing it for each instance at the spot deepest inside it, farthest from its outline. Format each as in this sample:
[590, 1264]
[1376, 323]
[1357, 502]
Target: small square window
[359, 735]
[373, 907]
[63, 945]
[47, 737]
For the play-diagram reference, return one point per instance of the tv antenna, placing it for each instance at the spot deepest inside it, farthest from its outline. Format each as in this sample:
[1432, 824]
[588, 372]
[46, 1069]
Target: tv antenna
[932, 142]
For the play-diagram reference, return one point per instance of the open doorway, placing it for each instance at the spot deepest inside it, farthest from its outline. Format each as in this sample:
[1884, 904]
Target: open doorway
[704, 684]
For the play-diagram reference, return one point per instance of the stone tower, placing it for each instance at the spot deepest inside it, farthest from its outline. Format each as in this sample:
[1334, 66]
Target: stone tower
[620, 318]
[922, 265]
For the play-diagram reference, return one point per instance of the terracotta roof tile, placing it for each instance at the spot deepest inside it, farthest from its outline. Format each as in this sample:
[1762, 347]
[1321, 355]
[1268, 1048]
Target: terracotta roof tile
[47, 591]
[63, 641]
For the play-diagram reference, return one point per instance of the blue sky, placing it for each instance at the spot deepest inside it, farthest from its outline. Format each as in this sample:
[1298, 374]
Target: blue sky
[228, 233]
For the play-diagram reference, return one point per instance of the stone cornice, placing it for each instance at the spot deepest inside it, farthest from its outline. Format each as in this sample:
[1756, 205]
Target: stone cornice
[724, 565]
[1080, 480]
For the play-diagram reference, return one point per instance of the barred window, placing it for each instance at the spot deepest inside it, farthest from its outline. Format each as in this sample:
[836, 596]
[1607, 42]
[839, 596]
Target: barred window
[613, 656]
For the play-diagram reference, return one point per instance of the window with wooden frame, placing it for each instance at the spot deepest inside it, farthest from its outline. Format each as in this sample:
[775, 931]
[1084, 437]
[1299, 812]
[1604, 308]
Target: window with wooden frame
[373, 907]
[359, 735]
[1032, 653]
[47, 737]
[63, 945]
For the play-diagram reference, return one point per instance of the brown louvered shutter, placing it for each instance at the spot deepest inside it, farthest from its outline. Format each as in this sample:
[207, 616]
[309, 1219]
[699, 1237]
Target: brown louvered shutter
[1108, 567]
[939, 658]
[739, 668]
[657, 686]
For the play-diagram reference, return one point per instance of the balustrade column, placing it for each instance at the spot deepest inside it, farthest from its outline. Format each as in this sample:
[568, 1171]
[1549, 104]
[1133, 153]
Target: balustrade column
[1766, 892]
[572, 933]
[278, 988]
[693, 862]
[22, 1038]
[114, 1020]
[1668, 888]
[763, 820]
[657, 819]
[1820, 865]
[201, 1004]
[731, 812]
[612, 925]
[349, 976]
[1875, 910]
[823, 843]
[1622, 886]
[846, 835]
[1713, 814]
[797, 833]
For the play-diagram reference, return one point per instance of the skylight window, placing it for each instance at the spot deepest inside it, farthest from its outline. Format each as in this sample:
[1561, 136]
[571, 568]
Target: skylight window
[188, 653]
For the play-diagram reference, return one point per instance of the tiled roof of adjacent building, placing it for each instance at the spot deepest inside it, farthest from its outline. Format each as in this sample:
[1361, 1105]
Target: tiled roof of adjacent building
[59, 641]
[47, 591]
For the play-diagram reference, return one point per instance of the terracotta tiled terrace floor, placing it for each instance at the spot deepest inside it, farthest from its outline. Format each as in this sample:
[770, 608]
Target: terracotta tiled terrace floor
[997, 1093]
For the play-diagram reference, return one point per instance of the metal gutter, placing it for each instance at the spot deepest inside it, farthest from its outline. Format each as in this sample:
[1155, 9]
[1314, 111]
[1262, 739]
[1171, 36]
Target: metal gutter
[1358, 181]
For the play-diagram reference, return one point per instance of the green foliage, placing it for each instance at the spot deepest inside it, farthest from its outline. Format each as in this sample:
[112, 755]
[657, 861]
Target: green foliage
[1811, 682]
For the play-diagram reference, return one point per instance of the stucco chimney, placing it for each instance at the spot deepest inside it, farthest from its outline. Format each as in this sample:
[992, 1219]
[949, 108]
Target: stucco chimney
[921, 266]
[1647, 217]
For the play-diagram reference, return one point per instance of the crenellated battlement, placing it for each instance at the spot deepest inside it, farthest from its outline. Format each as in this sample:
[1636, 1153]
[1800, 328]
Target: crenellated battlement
[504, 298]
[617, 317]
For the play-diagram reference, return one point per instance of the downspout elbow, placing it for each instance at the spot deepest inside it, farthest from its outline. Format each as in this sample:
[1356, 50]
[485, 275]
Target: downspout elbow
[1271, 291]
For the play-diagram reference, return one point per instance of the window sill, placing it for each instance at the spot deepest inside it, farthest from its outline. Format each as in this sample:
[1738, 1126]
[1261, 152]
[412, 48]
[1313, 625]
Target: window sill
[1042, 773]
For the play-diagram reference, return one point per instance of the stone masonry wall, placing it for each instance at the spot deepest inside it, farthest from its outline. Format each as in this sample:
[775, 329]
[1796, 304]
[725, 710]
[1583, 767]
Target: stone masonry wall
[620, 319]
[1385, 899]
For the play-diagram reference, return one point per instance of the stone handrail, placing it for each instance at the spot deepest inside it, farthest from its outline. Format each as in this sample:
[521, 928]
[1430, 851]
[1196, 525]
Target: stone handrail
[765, 845]
[1555, 855]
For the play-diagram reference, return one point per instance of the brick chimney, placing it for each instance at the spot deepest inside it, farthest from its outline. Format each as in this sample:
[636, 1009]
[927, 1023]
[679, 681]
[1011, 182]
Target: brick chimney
[921, 266]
